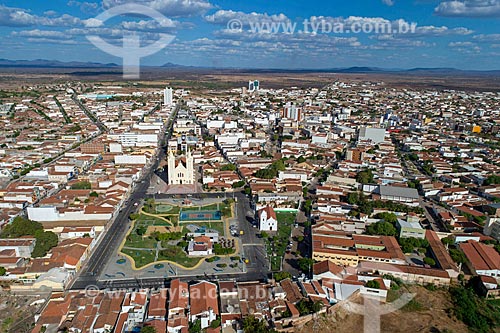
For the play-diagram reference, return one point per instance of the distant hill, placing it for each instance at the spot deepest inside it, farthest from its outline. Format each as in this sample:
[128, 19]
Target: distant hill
[42, 63]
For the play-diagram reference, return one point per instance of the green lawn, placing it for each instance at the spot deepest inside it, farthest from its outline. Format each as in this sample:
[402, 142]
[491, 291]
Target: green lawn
[141, 258]
[207, 207]
[494, 302]
[224, 208]
[277, 244]
[276, 263]
[167, 209]
[173, 218]
[149, 220]
[136, 241]
[176, 254]
[286, 217]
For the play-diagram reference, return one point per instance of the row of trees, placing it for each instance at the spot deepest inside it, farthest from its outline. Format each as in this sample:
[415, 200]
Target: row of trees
[366, 206]
[411, 243]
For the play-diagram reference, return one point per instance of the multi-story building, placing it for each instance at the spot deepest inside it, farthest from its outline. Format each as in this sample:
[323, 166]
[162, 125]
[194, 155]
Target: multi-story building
[346, 250]
[168, 96]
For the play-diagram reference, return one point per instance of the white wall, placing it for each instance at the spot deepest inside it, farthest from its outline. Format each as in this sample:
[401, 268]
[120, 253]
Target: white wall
[130, 159]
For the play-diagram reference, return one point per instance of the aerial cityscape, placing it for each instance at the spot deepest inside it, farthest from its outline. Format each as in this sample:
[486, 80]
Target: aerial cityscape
[189, 166]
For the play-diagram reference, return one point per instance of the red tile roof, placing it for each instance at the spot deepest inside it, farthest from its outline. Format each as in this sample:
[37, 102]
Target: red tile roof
[203, 296]
[481, 256]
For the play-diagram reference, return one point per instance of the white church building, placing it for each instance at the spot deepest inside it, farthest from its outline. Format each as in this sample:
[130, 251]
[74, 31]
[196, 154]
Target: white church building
[267, 219]
[180, 170]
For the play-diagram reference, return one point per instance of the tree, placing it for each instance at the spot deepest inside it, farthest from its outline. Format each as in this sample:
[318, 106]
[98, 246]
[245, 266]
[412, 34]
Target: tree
[248, 190]
[45, 240]
[365, 177]
[215, 323]
[307, 206]
[271, 171]
[20, 227]
[141, 230]
[381, 229]
[474, 311]
[493, 179]
[449, 240]
[429, 261]
[408, 244]
[306, 307]
[458, 256]
[279, 276]
[83, 185]
[254, 325]
[148, 329]
[305, 264]
[195, 327]
[3, 271]
[387, 217]
[238, 184]
[228, 167]
[373, 284]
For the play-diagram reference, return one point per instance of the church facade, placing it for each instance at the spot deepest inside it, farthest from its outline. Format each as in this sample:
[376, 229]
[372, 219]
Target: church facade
[180, 170]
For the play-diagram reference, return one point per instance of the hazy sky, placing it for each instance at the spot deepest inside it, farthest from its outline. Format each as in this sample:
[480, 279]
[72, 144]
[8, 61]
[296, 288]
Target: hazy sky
[262, 33]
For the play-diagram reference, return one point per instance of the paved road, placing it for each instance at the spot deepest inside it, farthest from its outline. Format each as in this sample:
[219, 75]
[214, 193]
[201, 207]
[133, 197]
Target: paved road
[90, 114]
[434, 221]
[159, 282]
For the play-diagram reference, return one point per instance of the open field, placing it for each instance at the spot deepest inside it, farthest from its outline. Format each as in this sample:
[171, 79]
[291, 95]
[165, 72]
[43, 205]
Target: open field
[430, 312]
[206, 80]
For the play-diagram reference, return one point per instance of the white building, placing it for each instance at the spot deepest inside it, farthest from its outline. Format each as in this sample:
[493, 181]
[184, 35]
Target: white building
[267, 219]
[168, 96]
[130, 159]
[376, 135]
[21, 246]
[200, 246]
[492, 227]
[51, 214]
[134, 305]
[181, 170]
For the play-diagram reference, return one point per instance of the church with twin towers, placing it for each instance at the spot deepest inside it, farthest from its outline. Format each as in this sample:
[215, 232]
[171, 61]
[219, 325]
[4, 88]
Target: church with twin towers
[180, 170]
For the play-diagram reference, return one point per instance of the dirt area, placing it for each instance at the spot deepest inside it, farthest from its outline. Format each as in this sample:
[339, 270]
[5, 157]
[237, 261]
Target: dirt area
[151, 229]
[16, 313]
[430, 313]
